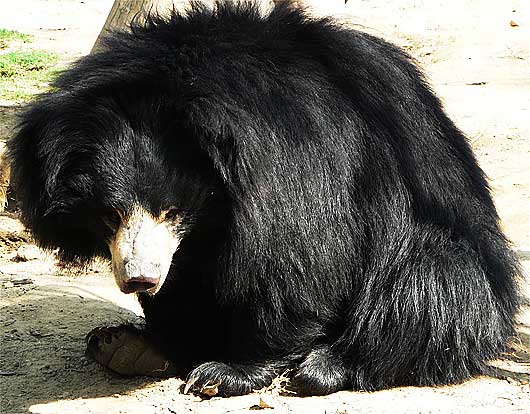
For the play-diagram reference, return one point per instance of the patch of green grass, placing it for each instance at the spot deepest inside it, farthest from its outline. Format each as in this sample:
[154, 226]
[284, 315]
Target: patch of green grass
[25, 73]
[17, 63]
[7, 36]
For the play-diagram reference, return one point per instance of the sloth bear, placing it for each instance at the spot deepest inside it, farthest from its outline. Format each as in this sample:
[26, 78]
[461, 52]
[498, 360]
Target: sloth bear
[282, 193]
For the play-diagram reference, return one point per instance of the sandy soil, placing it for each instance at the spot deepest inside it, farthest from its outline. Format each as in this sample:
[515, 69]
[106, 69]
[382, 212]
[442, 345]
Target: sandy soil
[479, 64]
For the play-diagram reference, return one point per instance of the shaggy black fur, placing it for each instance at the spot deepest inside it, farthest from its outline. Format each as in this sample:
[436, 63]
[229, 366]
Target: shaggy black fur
[337, 222]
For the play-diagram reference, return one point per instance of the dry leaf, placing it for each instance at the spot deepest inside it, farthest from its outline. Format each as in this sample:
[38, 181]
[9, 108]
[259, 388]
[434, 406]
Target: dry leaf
[211, 390]
[513, 24]
[278, 386]
[266, 401]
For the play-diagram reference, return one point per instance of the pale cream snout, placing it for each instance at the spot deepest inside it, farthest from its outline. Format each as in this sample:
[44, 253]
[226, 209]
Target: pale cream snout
[142, 251]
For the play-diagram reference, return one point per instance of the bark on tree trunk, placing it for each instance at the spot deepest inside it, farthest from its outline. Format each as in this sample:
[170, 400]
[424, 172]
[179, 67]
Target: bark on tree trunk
[123, 11]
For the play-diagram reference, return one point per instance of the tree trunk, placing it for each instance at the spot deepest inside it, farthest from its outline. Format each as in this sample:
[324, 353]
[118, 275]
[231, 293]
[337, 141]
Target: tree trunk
[124, 11]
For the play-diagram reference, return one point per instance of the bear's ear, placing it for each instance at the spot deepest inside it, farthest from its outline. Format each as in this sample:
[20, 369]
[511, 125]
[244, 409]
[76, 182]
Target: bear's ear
[40, 150]
[27, 151]
[214, 136]
[230, 136]
[221, 149]
[40, 157]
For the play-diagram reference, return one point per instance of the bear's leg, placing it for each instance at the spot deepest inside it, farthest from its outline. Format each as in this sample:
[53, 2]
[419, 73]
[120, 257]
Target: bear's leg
[128, 351]
[218, 378]
[320, 373]
[433, 316]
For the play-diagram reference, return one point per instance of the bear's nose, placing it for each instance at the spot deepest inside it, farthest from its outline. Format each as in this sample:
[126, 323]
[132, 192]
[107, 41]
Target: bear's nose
[139, 284]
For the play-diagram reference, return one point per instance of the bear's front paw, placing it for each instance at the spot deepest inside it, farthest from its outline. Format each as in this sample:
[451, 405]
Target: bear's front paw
[217, 378]
[125, 350]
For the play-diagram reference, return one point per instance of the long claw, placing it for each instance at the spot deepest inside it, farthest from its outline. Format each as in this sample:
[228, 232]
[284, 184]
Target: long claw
[189, 384]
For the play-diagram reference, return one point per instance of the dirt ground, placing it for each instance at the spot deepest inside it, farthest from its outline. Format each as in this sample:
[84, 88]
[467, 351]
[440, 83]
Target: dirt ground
[477, 55]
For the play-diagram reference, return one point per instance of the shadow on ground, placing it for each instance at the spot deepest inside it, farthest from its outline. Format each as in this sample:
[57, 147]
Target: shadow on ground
[43, 341]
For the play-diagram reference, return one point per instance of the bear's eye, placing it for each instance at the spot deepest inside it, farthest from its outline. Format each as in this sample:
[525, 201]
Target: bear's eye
[172, 214]
[112, 219]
